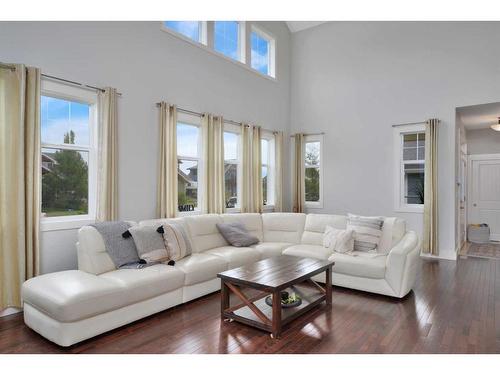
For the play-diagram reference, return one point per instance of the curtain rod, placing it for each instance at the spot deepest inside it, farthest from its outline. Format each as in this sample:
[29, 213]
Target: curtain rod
[409, 123]
[198, 114]
[13, 67]
[77, 83]
[293, 135]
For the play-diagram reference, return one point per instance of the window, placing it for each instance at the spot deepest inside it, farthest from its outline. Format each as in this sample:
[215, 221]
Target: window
[231, 168]
[313, 171]
[268, 166]
[227, 39]
[67, 152]
[194, 30]
[245, 44]
[188, 159]
[262, 52]
[410, 158]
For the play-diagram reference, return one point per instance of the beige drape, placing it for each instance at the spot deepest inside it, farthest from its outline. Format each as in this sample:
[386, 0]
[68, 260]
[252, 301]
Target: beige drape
[107, 186]
[278, 165]
[251, 184]
[298, 174]
[213, 199]
[19, 180]
[166, 200]
[430, 237]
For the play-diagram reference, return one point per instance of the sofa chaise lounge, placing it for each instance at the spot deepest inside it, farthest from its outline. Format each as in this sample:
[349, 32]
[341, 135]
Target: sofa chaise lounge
[71, 306]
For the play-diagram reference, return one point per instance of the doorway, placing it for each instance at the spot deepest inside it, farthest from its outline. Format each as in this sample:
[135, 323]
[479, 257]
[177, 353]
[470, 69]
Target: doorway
[478, 180]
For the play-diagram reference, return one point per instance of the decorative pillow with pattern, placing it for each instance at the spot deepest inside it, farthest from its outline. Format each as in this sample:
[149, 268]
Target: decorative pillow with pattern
[338, 240]
[176, 241]
[367, 231]
[149, 243]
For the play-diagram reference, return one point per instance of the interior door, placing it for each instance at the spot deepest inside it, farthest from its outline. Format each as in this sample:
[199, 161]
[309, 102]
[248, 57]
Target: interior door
[484, 202]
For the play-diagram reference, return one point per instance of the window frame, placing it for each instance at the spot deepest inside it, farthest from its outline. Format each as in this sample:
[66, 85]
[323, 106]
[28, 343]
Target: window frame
[231, 128]
[192, 120]
[241, 38]
[399, 163]
[272, 50]
[310, 139]
[90, 97]
[202, 37]
[271, 169]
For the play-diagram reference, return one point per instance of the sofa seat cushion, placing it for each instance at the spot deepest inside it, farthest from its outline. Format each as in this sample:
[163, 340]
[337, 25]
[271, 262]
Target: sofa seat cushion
[200, 267]
[359, 263]
[148, 282]
[235, 256]
[69, 296]
[308, 251]
[271, 249]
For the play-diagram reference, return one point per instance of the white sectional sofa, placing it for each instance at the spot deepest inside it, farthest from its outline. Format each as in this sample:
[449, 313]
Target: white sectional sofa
[70, 306]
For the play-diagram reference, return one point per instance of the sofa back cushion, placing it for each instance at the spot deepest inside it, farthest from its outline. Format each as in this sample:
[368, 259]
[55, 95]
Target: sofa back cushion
[92, 255]
[252, 222]
[393, 230]
[315, 225]
[283, 227]
[202, 229]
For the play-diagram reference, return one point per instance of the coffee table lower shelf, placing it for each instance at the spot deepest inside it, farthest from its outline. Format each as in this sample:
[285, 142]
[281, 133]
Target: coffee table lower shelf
[311, 297]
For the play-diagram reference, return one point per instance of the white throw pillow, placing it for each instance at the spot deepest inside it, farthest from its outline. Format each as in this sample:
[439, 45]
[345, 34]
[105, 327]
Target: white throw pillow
[338, 240]
[367, 231]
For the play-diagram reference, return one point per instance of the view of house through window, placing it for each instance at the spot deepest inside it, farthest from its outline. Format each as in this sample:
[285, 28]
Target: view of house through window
[65, 141]
[231, 169]
[413, 163]
[188, 163]
[312, 171]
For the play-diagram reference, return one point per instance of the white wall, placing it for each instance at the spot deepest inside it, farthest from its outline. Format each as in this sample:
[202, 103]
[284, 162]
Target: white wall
[353, 80]
[483, 141]
[146, 65]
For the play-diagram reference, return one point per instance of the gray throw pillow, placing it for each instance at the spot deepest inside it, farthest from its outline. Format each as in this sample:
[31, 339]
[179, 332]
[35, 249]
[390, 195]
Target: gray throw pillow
[149, 244]
[236, 234]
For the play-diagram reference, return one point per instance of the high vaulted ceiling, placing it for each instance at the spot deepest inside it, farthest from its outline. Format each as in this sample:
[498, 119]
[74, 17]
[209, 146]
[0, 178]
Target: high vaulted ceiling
[295, 26]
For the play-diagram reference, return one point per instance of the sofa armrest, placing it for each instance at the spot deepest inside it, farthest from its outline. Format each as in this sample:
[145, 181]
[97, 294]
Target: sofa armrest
[402, 264]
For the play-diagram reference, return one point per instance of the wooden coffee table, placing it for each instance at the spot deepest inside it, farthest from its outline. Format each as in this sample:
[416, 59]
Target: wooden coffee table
[271, 277]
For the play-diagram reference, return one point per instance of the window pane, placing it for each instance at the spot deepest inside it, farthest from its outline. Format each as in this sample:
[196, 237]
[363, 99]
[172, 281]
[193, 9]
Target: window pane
[410, 153]
[187, 185]
[190, 29]
[264, 184]
[264, 151]
[410, 140]
[64, 121]
[230, 146]
[226, 38]
[187, 140]
[259, 58]
[421, 153]
[231, 184]
[312, 184]
[64, 182]
[414, 183]
[312, 153]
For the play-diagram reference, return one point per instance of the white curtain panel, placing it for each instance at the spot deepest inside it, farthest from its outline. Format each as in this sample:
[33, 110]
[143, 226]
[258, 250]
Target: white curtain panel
[251, 189]
[430, 236]
[107, 186]
[19, 180]
[166, 200]
[213, 198]
[278, 165]
[298, 174]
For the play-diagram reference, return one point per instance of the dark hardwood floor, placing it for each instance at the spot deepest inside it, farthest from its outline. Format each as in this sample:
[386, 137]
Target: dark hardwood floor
[455, 308]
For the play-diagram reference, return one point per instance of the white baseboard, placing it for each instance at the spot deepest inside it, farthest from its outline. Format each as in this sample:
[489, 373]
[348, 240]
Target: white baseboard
[446, 257]
[9, 311]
